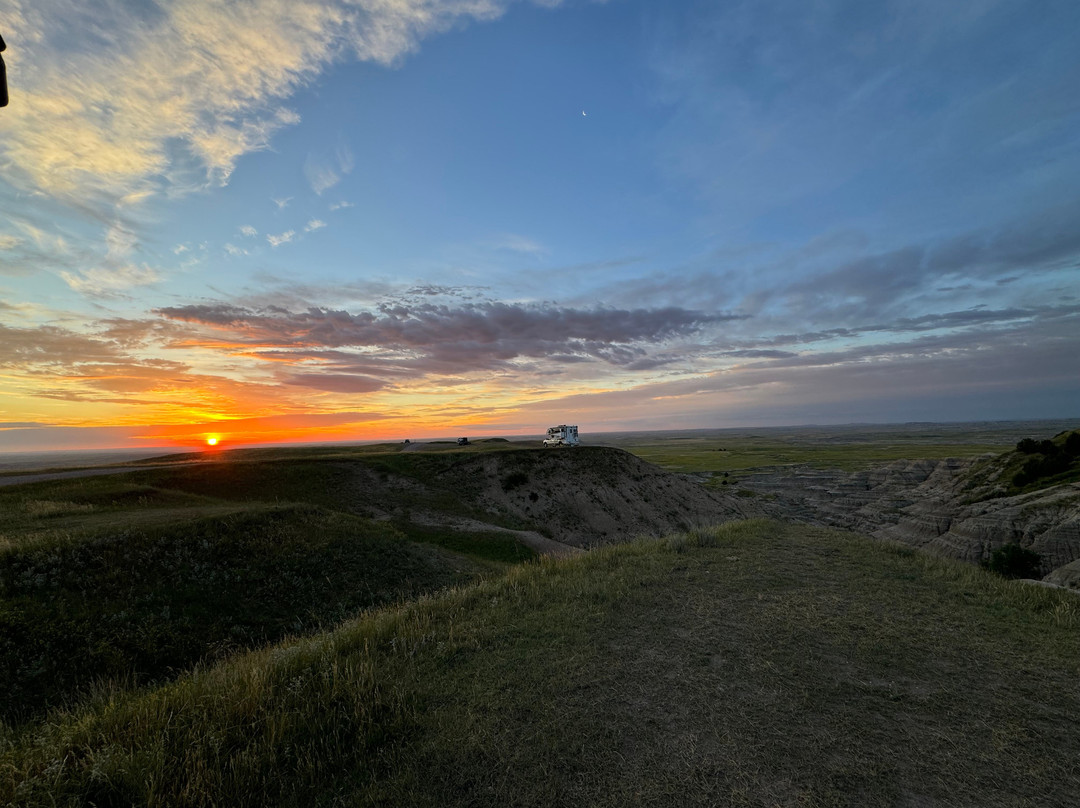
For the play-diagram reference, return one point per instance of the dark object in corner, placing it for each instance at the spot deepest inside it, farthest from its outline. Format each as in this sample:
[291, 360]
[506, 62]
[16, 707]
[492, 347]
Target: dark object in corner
[3, 76]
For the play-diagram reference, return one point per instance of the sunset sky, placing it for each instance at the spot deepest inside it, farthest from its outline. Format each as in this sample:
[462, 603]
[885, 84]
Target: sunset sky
[270, 220]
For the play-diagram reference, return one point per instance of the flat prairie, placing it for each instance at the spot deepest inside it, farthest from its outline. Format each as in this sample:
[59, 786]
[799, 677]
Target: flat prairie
[848, 447]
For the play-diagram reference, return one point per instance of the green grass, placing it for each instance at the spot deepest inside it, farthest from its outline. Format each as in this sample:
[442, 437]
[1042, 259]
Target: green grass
[54, 507]
[755, 664]
[481, 546]
[695, 454]
[321, 482]
[848, 448]
[137, 577]
[143, 603]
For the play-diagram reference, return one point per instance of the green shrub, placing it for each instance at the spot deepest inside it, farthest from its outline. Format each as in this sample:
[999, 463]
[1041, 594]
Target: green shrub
[1041, 467]
[1072, 444]
[1027, 446]
[1013, 561]
[1049, 448]
[515, 480]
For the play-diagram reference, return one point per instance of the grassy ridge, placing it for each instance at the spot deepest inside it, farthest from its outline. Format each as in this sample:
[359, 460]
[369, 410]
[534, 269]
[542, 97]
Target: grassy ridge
[754, 664]
[140, 604]
[137, 577]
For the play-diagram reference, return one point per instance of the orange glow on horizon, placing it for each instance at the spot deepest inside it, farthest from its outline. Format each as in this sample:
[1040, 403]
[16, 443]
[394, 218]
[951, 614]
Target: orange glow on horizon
[200, 434]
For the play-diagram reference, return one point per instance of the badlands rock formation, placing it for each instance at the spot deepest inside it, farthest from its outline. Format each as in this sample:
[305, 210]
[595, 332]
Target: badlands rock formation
[590, 496]
[955, 508]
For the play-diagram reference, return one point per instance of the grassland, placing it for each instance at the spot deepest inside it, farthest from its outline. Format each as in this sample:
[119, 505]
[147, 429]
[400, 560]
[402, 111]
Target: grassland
[259, 628]
[849, 448]
[132, 579]
[754, 664]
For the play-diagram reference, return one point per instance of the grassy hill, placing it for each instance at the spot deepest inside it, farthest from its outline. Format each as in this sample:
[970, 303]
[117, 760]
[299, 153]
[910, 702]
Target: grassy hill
[753, 664]
[135, 578]
[138, 577]
[588, 496]
[143, 604]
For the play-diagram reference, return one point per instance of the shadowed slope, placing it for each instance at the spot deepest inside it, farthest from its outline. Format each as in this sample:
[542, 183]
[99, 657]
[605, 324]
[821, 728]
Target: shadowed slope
[139, 576]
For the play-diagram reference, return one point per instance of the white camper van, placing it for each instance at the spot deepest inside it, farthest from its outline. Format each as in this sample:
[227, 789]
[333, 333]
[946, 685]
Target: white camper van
[562, 435]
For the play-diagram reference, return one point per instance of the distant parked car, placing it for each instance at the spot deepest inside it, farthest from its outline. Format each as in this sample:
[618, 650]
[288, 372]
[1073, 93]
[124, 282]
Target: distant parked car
[462, 441]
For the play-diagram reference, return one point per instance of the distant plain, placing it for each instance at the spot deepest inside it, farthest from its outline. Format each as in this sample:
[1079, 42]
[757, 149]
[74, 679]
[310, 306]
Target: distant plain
[849, 447]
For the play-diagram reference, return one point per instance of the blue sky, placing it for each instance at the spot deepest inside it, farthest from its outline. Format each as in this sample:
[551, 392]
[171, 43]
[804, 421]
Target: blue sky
[326, 220]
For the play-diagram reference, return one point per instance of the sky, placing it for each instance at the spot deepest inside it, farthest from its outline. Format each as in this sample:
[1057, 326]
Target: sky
[338, 220]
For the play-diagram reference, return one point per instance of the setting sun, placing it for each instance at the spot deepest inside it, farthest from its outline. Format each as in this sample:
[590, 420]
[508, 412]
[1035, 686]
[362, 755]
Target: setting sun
[211, 441]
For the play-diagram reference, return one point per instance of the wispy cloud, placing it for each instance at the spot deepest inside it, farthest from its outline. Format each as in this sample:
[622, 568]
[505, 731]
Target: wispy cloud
[324, 172]
[341, 205]
[53, 346]
[42, 238]
[984, 373]
[106, 282]
[345, 159]
[320, 176]
[437, 338]
[105, 369]
[281, 238]
[120, 240]
[334, 382]
[248, 230]
[7, 242]
[314, 224]
[518, 244]
[175, 98]
[281, 202]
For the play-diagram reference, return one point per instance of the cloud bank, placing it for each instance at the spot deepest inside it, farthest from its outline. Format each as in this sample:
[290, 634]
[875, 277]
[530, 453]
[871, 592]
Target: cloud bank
[439, 338]
[112, 102]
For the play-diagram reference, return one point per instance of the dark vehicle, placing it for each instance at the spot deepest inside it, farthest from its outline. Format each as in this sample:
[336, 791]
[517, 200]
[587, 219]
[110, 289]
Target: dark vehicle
[3, 76]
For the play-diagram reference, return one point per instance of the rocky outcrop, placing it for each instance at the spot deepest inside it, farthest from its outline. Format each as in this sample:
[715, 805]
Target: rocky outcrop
[1067, 576]
[955, 508]
[590, 496]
